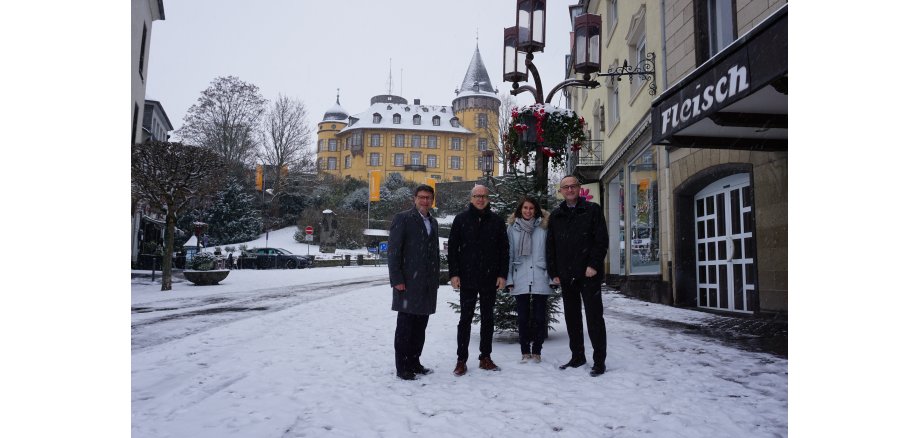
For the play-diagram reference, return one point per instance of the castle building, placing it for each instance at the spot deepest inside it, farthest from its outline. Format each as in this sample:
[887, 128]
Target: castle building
[420, 142]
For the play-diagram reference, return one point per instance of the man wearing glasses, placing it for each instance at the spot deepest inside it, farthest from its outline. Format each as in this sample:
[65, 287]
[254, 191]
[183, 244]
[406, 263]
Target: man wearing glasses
[413, 262]
[477, 255]
[576, 244]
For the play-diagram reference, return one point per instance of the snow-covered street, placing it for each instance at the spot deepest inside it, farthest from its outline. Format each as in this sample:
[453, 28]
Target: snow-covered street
[312, 355]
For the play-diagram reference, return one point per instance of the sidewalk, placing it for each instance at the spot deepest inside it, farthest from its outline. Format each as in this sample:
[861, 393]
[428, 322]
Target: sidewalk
[749, 333]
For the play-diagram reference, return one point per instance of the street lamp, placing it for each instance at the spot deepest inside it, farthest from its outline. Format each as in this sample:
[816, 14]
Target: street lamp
[529, 35]
[487, 163]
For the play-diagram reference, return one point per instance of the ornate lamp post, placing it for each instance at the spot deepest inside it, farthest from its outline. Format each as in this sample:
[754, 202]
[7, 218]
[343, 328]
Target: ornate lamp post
[529, 36]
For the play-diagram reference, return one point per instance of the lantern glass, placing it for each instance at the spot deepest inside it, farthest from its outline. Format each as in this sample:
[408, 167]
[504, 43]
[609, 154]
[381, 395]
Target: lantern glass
[587, 43]
[515, 68]
[531, 22]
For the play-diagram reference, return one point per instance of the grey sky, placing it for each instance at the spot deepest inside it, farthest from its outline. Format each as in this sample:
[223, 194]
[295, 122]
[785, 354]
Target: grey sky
[307, 49]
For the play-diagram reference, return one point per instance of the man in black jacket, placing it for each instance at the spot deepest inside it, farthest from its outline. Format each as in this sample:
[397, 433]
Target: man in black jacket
[576, 243]
[413, 262]
[477, 255]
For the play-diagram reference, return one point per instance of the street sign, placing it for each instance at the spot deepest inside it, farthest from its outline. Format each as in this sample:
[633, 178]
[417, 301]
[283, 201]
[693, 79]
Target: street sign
[308, 230]
[308, 237]
[383, 247]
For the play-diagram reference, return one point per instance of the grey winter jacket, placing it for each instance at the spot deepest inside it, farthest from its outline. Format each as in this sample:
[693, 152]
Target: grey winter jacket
[528, 273]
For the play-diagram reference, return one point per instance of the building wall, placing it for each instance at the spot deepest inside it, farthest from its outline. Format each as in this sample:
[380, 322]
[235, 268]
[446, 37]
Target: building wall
[467, 109]
[143, 14]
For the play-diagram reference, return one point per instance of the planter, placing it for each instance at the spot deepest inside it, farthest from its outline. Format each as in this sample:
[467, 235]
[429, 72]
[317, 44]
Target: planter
[205, 278]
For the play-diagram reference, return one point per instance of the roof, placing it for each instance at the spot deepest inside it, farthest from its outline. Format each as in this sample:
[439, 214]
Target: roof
[335, 112]
[477, 79]
[365, 120]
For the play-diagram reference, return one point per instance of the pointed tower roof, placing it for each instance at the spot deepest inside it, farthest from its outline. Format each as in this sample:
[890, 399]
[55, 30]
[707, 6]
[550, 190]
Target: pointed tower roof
[336, 112]
[477, 78]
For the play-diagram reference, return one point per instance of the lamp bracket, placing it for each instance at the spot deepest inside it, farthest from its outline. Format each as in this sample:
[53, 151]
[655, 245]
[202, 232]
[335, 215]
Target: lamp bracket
[645, 70]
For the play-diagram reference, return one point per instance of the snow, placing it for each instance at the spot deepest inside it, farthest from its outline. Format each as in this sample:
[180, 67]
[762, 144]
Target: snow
[284, 238]
[427, 113]
[302, 353]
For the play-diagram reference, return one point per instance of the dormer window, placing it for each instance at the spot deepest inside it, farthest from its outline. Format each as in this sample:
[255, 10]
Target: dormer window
[416, 119]
[443, 109]
[425, 109]
[389, 107]
[436, 121]
[407, 109]
[377, 117]
[397, 119]
[455, 122]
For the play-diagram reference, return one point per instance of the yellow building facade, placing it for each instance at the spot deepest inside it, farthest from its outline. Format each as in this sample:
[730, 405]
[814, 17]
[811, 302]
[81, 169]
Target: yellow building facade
[420, 142]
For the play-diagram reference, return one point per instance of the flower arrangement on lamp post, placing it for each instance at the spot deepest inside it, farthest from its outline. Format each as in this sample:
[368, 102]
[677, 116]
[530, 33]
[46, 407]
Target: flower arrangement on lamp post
[543, 129]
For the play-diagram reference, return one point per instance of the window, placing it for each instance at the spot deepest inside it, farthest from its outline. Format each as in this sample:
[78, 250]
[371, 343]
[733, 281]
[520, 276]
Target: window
[333, 163]
[432, 161]
[455, 122]
[399, 160]
[416, 119]
[714, 27]
[483, 145]
[613, 104]
[454, 162]
[333, 145]
[432, 142]
[482, 120]
[348, 143]
[140, 65]
[357, 140]
[375, 140]
[321, 145]
[416, 158]
[436, 121]
[643, 213]
[348, 161]
[455, 144]
[611, 16]
[134, 125]
[375, 159]
[377, 117]
[397, 119]
[400, 141]
[416, 141]
[635, 39]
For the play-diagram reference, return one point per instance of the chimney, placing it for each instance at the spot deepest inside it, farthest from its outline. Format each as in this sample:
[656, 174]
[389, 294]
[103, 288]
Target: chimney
[417, 101]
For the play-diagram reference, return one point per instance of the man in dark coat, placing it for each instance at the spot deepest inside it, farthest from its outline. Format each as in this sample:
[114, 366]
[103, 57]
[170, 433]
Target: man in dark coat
[413, 262]
[576, 243]
[477, 255]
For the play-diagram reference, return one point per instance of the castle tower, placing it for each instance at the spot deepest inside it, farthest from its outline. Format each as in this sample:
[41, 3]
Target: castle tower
[329, 156]
[477, 107]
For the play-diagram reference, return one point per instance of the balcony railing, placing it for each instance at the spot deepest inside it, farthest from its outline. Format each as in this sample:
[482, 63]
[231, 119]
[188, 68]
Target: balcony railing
[419, 167]
[590, 154]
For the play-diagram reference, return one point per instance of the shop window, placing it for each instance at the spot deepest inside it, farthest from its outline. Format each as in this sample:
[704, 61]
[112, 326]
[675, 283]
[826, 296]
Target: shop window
[643, 223]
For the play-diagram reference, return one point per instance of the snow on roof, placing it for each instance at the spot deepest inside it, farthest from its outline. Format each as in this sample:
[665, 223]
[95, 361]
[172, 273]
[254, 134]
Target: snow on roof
[373, 232]
[427, 113]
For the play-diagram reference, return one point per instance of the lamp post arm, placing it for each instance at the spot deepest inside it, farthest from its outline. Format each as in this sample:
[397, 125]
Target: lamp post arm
[524, 88]
[538, 94]
[569, 83]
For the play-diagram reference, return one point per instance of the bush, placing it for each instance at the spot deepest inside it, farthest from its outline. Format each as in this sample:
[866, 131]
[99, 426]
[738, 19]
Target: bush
[229, 249]
[203, 261]
[506, 312]
[243, 247]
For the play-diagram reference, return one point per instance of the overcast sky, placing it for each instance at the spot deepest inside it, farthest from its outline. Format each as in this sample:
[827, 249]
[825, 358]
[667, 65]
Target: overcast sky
[308, 49]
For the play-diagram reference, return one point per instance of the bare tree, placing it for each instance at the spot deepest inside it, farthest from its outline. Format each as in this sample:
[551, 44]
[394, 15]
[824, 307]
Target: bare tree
[172, 177]
[288, 136]
[226, 119]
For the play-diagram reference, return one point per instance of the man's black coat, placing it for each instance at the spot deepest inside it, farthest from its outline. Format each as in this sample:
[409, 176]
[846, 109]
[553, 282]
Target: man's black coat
[576, 238]
[477, 250]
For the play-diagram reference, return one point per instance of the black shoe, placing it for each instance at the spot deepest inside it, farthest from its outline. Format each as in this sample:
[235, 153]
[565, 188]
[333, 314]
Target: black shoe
[597, 370]
[406, 375]
[419, 369]
[574, 363]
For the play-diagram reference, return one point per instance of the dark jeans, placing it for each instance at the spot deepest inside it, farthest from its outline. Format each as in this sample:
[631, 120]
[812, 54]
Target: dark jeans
[573, 293]
[531, 321]
[486, 322]
[409, 340]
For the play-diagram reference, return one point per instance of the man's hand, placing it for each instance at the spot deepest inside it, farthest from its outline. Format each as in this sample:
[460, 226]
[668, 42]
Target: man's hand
[500, 283]
[556, 280]
[590, 272]
[455, 282]
[400, 287]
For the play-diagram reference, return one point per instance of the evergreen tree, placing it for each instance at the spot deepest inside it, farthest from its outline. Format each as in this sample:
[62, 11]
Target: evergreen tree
[234, 216]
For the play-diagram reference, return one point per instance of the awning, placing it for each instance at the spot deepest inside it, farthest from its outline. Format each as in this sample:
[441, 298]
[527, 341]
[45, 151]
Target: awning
[738, 99]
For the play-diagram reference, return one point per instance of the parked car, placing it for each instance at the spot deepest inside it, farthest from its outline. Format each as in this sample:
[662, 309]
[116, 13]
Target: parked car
[269, 258]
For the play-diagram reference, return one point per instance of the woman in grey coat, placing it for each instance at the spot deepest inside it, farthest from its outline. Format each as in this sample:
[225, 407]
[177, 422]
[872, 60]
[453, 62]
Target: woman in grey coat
[528, 281]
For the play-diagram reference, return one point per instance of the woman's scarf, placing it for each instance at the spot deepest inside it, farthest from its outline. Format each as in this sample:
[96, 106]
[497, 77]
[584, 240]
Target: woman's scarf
[527, 227]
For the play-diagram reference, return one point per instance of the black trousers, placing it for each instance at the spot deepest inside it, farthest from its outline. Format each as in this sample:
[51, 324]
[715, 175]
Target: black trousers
[409, 340]
[531, 319]
[486, 322]
[589, 290]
